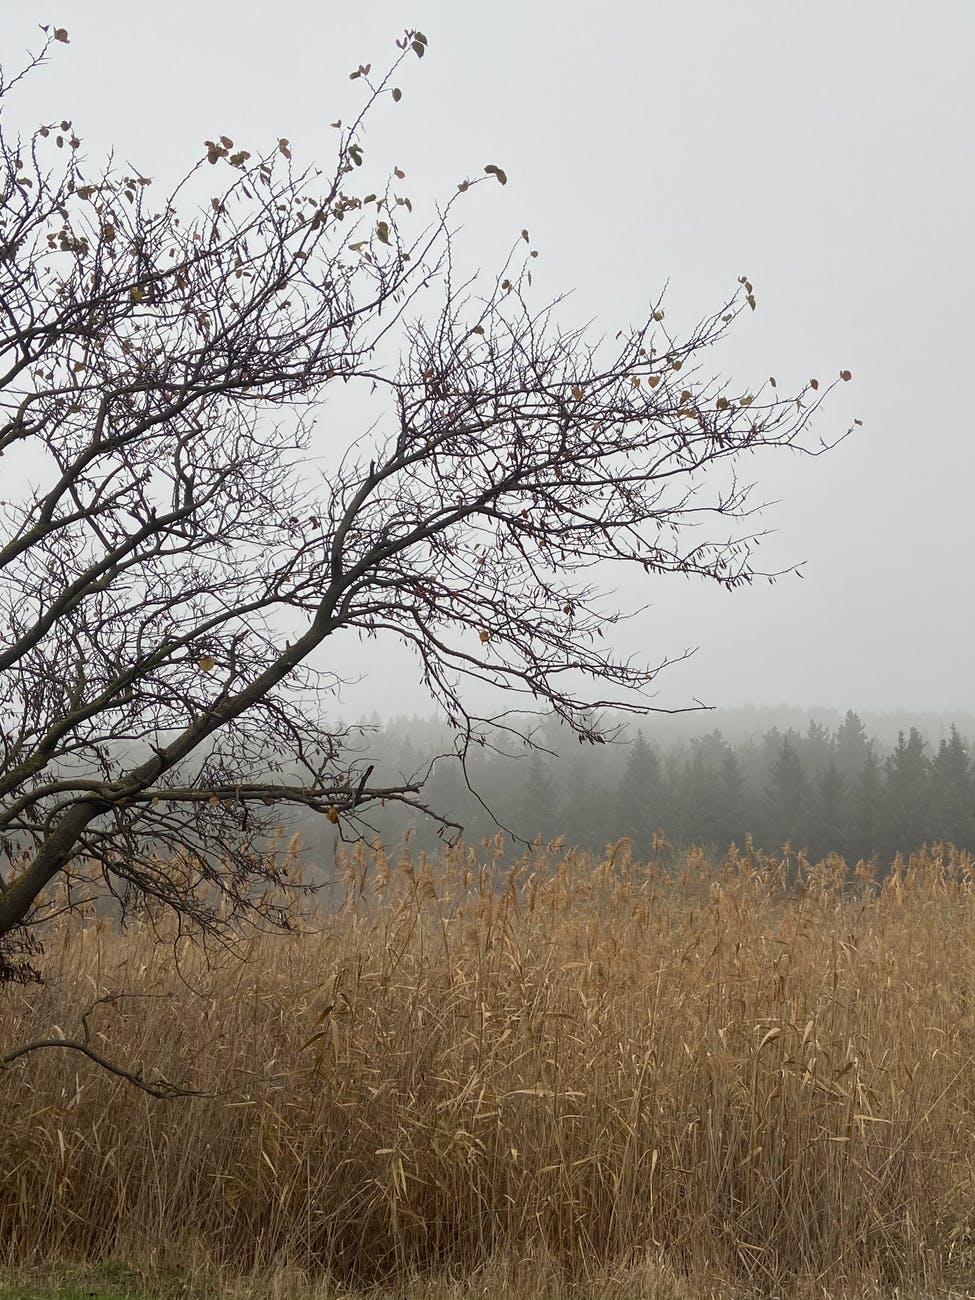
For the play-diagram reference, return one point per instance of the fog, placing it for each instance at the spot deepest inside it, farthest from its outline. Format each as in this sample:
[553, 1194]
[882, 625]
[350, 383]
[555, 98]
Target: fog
[819, 150]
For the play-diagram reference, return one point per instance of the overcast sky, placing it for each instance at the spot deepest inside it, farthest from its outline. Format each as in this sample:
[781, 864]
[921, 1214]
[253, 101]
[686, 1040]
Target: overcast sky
[823, 150]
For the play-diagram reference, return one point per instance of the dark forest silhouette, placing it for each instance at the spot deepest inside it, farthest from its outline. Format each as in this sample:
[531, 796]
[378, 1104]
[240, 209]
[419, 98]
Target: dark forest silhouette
[819, 788]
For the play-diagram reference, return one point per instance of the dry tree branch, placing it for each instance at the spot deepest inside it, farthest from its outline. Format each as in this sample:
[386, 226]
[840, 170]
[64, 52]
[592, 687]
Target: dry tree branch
[159, 1088]
[171, 587]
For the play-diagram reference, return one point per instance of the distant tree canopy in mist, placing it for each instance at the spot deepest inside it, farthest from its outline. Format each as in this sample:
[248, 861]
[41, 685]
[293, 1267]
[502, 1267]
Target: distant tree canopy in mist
[823, 789]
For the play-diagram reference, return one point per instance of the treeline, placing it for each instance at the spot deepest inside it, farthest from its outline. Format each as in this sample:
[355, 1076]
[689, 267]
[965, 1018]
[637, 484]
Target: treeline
[825, 790]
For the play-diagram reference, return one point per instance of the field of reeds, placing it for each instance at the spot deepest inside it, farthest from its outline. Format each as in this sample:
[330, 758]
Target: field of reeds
[755, 1074]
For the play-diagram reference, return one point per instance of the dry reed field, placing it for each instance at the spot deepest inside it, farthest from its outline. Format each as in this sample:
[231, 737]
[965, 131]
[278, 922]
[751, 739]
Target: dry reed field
[751, 1077]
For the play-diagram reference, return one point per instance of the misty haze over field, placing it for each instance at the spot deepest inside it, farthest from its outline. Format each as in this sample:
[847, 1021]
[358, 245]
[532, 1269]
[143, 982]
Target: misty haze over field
[817, 150]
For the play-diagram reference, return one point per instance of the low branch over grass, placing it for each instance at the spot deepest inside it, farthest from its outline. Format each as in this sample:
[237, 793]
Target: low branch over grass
[160, 1088]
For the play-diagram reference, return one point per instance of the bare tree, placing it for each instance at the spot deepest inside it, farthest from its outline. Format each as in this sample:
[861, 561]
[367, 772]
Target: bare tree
[170, 565]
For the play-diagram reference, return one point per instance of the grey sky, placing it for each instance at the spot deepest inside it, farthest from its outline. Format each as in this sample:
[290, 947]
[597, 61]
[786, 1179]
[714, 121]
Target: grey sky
[824, 150]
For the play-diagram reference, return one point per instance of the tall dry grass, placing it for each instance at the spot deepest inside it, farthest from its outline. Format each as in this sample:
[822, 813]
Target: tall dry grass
[760, 1071]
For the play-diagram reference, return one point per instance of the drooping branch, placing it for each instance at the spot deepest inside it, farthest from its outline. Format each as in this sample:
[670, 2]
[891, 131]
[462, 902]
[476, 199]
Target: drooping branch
[161, 1089]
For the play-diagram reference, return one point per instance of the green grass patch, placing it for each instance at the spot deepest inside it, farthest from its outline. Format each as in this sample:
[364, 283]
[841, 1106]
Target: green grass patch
[108, 1281]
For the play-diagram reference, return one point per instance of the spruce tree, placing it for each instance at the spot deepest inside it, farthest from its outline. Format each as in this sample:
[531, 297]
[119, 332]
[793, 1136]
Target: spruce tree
[787, 797]
[953, 793]
[637, 804]
[730, 797]
[851, 746]
[537, 802]
[906, 821]
[866, 807]
[830, 829]
[582, 808]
